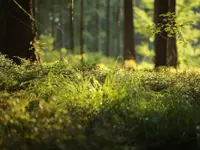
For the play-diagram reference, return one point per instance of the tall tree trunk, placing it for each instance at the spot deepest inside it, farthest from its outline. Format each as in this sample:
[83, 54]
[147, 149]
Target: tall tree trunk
[3, 16]
[19, 30]
[36, 14]
[118, 46]
[81, 29]
[53, 23]
[129, 42]
[108, 29]
[71, 15]
[172, 53]
[66, 25]
[160, 7]
[97, 26]
[58, 43]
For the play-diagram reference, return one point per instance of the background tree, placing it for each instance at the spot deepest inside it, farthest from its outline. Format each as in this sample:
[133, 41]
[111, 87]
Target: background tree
[108, 29]
[19, 30]
[97, 26]
[81, 29]
[129, 43]
[3, 16]
[119, 28]
[171, 40]
[71, 18]
[143, 14]
[160, 7]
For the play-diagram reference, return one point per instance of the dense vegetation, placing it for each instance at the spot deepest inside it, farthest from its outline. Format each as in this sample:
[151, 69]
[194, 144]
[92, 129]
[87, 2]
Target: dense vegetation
[99, 74]
[63, 106]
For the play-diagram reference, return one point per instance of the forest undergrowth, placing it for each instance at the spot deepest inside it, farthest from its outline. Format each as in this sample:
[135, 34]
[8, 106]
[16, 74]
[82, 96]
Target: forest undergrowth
[85, 107]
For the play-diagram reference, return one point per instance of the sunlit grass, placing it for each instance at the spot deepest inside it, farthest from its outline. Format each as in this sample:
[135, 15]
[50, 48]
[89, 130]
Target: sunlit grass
[63, 105]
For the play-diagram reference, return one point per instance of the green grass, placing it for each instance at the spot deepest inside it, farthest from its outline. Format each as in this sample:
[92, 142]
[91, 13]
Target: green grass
[61, 106]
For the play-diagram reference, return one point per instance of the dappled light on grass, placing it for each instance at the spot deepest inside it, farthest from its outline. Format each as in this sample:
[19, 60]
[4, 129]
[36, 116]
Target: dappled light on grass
[60, 106]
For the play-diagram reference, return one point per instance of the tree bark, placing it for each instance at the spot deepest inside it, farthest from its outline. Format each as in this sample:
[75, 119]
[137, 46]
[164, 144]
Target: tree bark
[129, 42]
[160, 7]
[19, 30]
[172, 53]
[71, 14]
[3, 17]
[118, 46]
[81, 29]
[58, 43]
[97, 26]
[108, 29]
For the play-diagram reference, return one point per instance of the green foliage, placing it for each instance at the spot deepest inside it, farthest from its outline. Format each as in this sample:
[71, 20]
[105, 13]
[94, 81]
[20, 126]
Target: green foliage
[171, 26]
[68, 105]
[185, 24]
[141, 22]
[60, 106]
[145, 54]
[186, 27]
[49, 55]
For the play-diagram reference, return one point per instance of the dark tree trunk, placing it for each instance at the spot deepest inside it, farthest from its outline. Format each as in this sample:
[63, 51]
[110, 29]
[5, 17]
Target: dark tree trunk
[53, 24]
[81, 29]
[172, 53]
[58, 43]
[118, 29]
[3, 19]
[160, 7]
[71, 15]
[66, 26]
[108, 29]
[19, 30]
[36, 15]
[56, 26]
[97, 26]
[129, 43]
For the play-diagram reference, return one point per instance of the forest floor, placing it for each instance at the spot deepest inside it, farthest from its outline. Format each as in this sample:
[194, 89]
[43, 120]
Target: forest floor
[66, 107]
